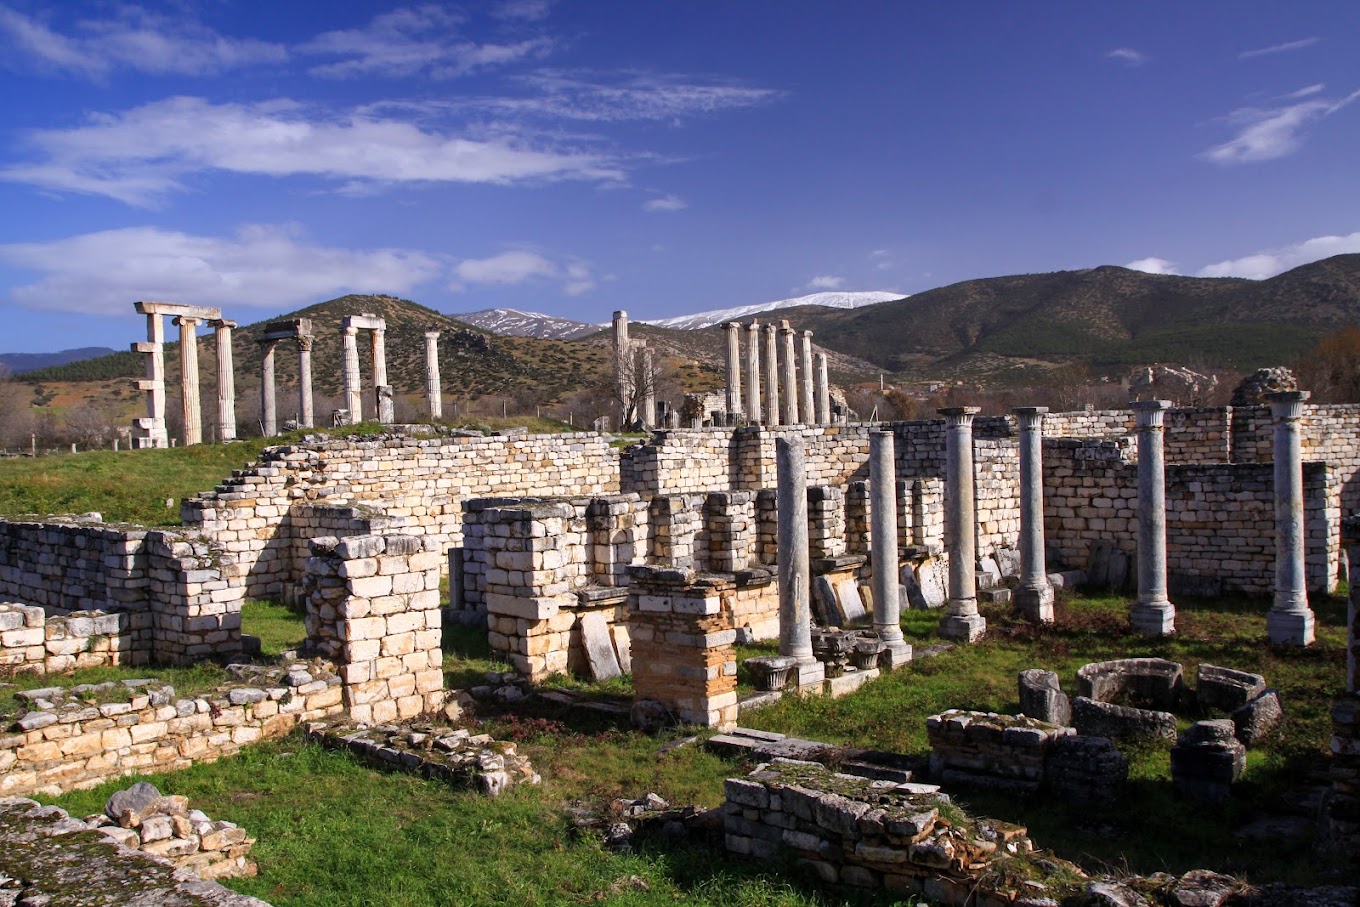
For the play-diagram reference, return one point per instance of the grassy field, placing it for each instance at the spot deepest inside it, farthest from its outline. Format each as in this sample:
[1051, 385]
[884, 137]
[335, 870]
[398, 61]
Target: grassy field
[333, 831]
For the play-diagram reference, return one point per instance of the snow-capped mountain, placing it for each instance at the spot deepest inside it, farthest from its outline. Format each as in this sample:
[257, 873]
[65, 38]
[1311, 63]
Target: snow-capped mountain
[831, 300]
[515, 323]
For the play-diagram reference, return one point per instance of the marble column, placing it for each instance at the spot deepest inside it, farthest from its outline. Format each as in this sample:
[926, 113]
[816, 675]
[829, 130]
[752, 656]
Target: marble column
[269, 413]
[883, 548]
[795, 572]
[153, 385]
[823, 390]
[354, 400]
[381, 390]
[1034, 595]
[623, 368]
[434, 398]
[647, 397]
[771, 362]
[753, 408]
[306, 408]
[1152, 614]
[732, 331]
[963, 622]
[226, 381]
[1290, 621]
[806, 398]
[188, 379]
[789, 370]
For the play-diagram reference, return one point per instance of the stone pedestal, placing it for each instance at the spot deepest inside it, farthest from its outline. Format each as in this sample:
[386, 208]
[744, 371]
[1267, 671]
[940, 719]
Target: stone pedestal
[883, 513]
[806, 401]
[795, 572]
[188, 379]
[773, 414]
[1034, 595]
[732, 333]
[1152, 613]
[963, 622]
[1290, 621]
[754, 412]
[823, 391]
[434, 399]
[226, 381]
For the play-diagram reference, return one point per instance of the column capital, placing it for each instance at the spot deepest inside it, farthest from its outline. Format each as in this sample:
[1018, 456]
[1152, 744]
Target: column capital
[731, 326]
[305, 341]
[807, 335]
[379, 332]
[432, 335]
[222, 324]
[268, 342]
[351, 331]
[769, 328]
[1149, 412]
[186, 321]
[1030, 418]
[959, 415]
[1287, 405]
[754, 325]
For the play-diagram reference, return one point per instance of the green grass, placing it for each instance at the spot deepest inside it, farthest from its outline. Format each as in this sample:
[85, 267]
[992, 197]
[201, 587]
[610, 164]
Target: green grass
[279, 627]
[188, 682]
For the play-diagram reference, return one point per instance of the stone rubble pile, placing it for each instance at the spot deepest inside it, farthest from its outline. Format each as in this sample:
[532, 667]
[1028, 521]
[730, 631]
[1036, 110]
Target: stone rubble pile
[140, 818]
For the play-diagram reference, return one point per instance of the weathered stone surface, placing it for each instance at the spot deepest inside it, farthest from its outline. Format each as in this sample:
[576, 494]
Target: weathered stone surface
[1085, 769]
[1225, 689]
[1041, 697]
[137, 798]
[1258, 717]
[849, 602]
[933, 578]
[1150, 683]
[599, 646]
[1207, 759]
[1202, 888]
[1103, 719]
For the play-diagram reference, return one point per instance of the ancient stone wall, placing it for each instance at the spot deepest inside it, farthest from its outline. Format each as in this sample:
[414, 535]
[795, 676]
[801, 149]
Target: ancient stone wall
[1201, 434]
[172, 586]
[33, 641]
[1331, 434]
[255, 517]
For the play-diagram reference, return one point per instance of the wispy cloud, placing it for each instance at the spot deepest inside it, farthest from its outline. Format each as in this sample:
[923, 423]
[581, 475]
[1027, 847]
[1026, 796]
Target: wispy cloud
[519, 266]
[413, 41]
[1153, 266]
[1274, 261]
[136, 39]
[527, 10]
[621, 96]
[882, 260]
[269, 266]
[1305, 92]
[1128, 56]
[140, 155]
[1278, 48]
[665, 203]
[826, 282]
[1264, 134]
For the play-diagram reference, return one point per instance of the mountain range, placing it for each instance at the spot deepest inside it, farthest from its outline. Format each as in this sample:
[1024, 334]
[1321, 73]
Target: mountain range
[18, 363]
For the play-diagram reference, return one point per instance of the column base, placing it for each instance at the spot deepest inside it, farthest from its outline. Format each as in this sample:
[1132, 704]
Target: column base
[1290, 628]
[810, 677]
[896, 653]
[1153, 618]
[964, 628]
[1035, 603]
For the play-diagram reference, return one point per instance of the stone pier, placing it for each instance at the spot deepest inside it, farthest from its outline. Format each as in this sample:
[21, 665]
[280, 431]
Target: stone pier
[354, 400]
[269, 412]
[795, 570]
[732, 332]
[773, 414]
[963, 622]
[883, 536]
[226, 381]
[1152, 613]
[434, 398]
[1290, 621]
[806, 399]
[753, 400]
[1034, 595]
[188, 379]
[823, 391]
[624, 386]
[789, 376]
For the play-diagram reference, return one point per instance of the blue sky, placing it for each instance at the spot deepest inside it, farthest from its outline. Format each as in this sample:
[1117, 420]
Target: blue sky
[580, 157]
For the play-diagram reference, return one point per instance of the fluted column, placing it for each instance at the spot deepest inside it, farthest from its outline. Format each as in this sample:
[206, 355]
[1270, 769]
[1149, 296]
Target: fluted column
[789, 363]
[823, 391]
[434, 398]
[883, 544]
[753, 407]
[226, 381]
[963, 622]
[732, 332]
[306, 408]
[806, 403]
[1152, 613]
[188, 379]
[1290, 621]
[1034, 595]
[773, 414]
[381, 389]
[354, 400]
[269, 414]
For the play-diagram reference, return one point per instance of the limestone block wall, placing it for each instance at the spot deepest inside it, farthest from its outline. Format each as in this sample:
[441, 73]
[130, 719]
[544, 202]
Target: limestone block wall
[172, 586]
[731, 520]
[682, 631]
[66, 743]
[33, 641]
[1193, 434]
[310, 521]
[424, 481]
[1331, 433]
[373, 607]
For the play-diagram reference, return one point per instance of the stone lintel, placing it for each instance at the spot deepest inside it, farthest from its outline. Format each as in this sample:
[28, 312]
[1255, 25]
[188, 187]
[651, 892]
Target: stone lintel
[174, 308]
[367, 321]
[293, 327]
[833, 564]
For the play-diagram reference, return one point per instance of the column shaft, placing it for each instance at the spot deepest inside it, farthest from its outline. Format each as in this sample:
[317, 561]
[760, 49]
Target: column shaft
[823, 391]
[1290, 621]
[806, 397]
[647, 401]
[354, 400]
[623, 369]
[434, 398]
[790, 374]
[962, 621]
[226, 382]
[1034, 596]
[188, 380]
[381, 391]
[307, 410]
[753, 407]
[269, 415]
[773, 415]
[1152, 613]
[732, 332]
[795, 573]
[883, 542]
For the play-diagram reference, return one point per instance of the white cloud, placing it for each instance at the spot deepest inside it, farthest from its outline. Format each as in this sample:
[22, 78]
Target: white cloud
[1153, 266]
[826, 282]
[1306, 91]
[665, 203]
[1128, 56]
[136, 40]
[1266, 134]
[882, 260]
[524, 266]
[269, 266]
[412, 41]
[1270, 262]
[139, 155]
[1278, 48]
[623, 96]
[527, 10]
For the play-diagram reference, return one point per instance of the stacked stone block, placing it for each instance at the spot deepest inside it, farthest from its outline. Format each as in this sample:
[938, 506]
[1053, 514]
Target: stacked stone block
[678, 535]
[373, 607]
[682, 631]
[984, 749]
[827, 520]
[196, 609]
[618, 536]
[36, 642]
[730, 519]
